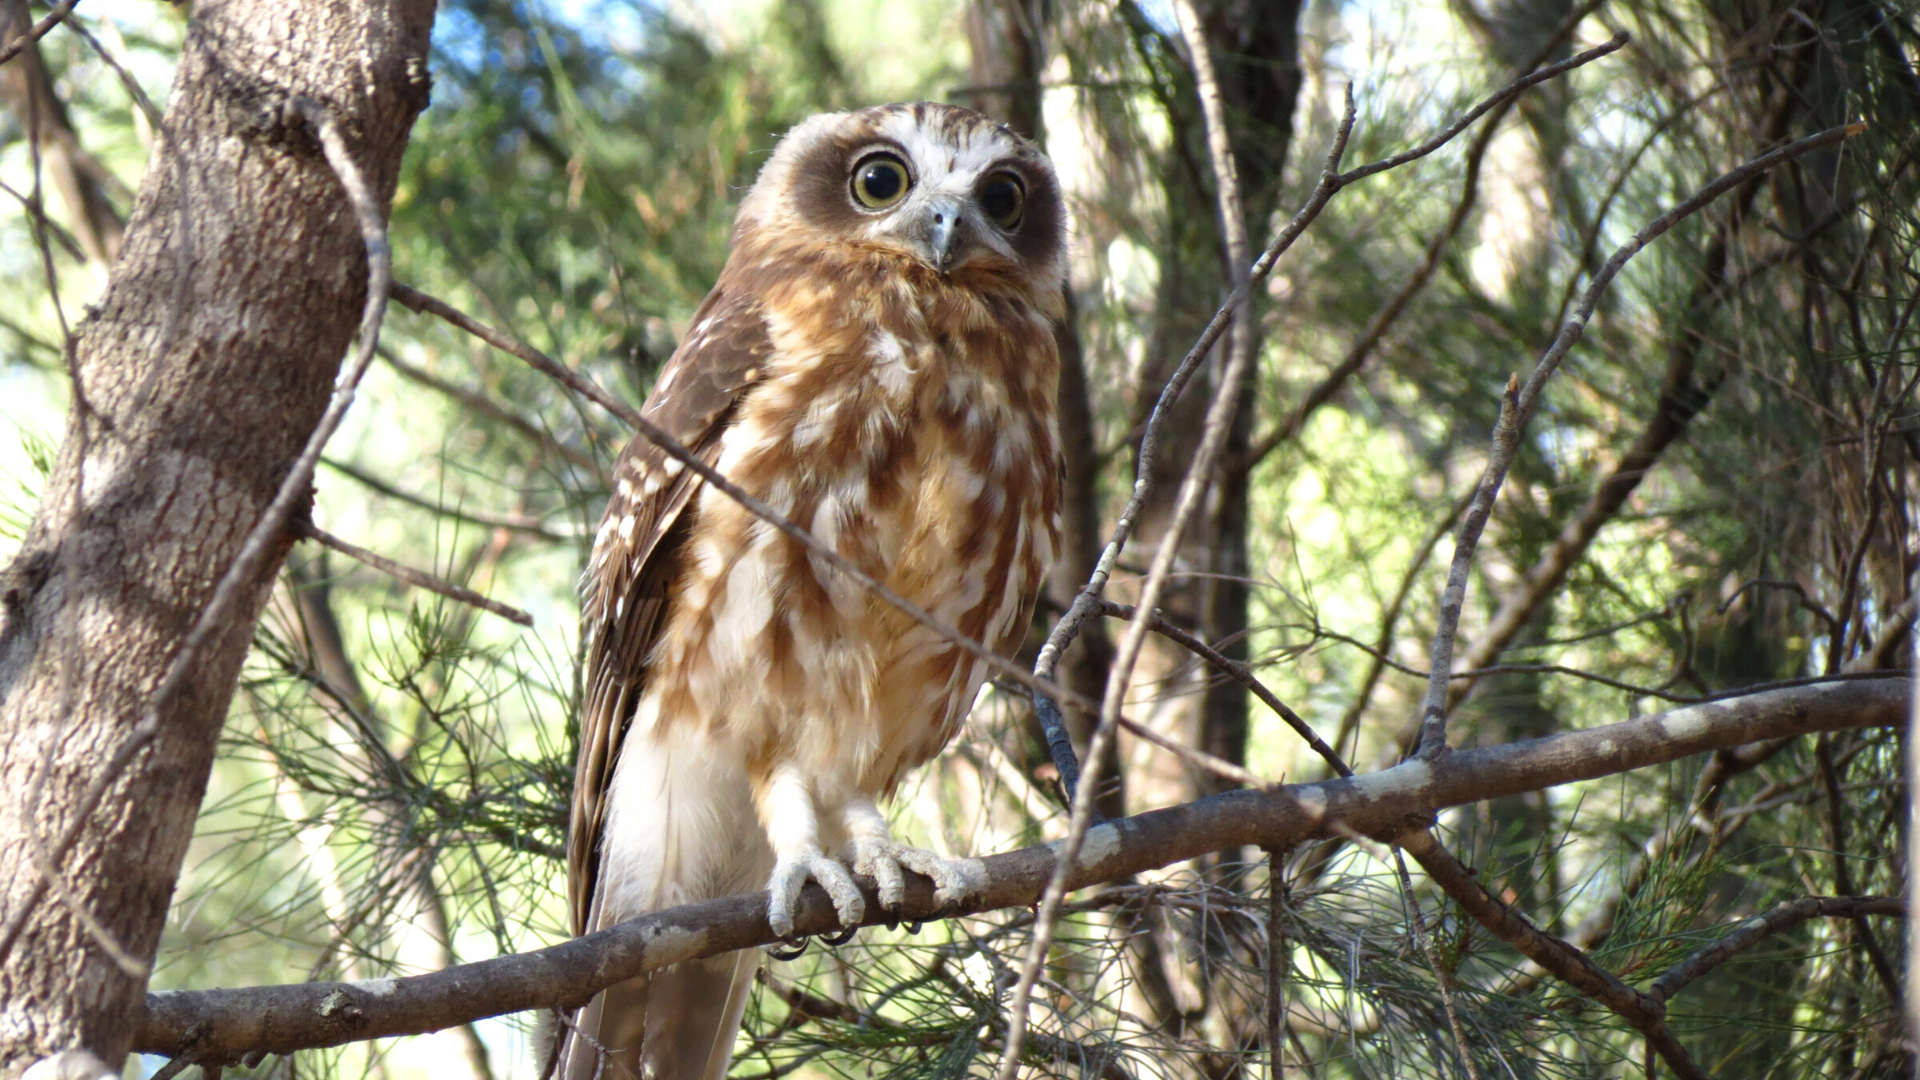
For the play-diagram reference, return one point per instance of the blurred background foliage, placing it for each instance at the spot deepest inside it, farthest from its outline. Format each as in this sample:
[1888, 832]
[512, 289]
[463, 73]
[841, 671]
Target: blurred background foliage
[1717, 494]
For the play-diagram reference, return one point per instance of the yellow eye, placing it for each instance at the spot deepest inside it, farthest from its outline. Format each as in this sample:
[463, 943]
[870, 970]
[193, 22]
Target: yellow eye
[1003, 198]
[880, 180]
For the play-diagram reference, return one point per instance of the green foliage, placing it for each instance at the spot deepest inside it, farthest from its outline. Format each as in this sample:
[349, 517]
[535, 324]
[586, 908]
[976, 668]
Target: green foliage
[393, 787]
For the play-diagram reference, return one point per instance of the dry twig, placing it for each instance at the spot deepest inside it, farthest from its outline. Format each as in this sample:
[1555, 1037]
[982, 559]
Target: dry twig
[1523, 400]
[37, 30]
[417, 578]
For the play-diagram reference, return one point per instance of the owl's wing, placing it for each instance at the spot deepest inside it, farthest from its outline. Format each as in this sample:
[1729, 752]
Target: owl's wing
[625, 593]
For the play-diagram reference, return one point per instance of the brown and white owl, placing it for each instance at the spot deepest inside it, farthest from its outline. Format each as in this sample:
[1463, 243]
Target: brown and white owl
[877, 363]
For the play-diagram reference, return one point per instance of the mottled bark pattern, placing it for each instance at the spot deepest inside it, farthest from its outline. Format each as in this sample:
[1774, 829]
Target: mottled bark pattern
[204, 369]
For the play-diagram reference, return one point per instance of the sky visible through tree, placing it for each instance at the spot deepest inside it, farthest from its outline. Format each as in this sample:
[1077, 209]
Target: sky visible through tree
[393, 781]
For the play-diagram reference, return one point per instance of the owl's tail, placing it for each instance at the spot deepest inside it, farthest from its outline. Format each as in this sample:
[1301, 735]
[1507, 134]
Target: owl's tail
[680, 828]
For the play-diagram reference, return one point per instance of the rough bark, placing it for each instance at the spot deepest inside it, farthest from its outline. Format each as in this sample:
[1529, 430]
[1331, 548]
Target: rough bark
[221, 1025]
[202, 372]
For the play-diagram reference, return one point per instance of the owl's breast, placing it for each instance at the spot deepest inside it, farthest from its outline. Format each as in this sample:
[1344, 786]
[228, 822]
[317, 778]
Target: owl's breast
[927, 455]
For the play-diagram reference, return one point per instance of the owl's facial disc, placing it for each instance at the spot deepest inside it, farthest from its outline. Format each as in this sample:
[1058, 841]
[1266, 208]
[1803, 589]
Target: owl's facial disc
[948, 188]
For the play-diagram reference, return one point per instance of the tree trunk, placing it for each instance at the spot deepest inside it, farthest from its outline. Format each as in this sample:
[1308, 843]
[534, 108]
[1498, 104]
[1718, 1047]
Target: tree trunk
[203, 371]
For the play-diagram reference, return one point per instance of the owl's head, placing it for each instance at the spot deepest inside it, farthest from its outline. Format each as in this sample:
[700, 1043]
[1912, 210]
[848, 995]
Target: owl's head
[949, 187]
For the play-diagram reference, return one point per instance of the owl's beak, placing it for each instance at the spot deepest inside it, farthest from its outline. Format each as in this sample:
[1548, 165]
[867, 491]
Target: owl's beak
[943, 232]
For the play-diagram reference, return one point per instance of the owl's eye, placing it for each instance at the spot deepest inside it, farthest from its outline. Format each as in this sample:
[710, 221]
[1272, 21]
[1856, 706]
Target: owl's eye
[880, 180]
[1003, 198]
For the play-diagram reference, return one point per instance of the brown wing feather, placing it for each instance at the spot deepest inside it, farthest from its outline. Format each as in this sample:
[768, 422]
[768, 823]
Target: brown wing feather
[631, 573]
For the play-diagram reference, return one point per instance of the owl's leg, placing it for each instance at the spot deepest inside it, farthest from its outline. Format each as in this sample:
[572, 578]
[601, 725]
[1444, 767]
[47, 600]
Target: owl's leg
[876, 852]
[793, 830]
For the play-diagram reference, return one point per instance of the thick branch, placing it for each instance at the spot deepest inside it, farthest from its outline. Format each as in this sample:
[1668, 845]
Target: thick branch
[221, 1025]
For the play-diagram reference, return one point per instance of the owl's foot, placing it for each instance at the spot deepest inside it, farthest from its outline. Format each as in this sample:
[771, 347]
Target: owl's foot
[791, 872]
[953, 879]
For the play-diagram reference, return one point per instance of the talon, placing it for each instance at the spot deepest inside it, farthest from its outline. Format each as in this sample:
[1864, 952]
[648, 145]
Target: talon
[790, 873]
[792, 950]
[880, 860]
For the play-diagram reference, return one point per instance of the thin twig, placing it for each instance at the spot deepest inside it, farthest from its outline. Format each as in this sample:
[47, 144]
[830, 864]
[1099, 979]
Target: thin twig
[1212, 441]
[127, 81]
[1506, 440]
[1442, 978]
[487, 407]
[1784, 916]
[37, 30]
[1240, 674]
[1521, 401]
[268, 530]
[1384, 318]
[417, 578]
[1277, 961]
[1512, 89]
[525, 523]
[1220, 767]
[1645, 1013]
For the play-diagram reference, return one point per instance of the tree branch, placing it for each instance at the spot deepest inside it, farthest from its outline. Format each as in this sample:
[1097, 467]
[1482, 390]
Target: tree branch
[417, 578]
[37, 30]
[222, 1025]
[1647, 1015]
[1524, 400]
[1783, 917]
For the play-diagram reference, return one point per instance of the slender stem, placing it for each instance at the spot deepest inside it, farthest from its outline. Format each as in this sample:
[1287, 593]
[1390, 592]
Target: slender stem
[1186, 503]
[37, 30]
[1522, 401]
[417, 578]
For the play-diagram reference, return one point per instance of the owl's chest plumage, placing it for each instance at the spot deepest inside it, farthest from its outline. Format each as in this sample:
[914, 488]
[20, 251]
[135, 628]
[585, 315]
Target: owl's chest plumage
[915, 433]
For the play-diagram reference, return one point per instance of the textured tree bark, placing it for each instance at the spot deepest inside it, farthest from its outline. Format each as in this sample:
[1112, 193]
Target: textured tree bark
[202, 372]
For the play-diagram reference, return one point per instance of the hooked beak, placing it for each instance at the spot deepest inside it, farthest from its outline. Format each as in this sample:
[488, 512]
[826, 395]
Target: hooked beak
[942, 233]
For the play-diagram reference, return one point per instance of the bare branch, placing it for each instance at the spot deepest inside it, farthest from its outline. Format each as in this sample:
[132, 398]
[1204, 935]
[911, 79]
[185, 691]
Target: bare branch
[417, 578]
[1239, 673]
[515, 522]
[37, 30]
[1383, 319]
[1647, 1015]
[1524, 400]
[1511, 90]
[1442, 978]
[222, 1025]
[1785, 916]
[479, 403]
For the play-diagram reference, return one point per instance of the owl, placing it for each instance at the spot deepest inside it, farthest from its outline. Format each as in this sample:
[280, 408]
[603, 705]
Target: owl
[877, 363]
